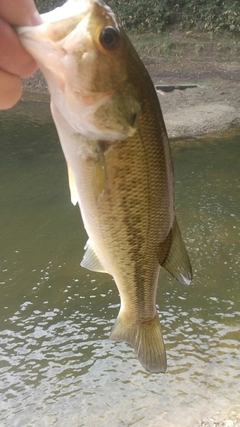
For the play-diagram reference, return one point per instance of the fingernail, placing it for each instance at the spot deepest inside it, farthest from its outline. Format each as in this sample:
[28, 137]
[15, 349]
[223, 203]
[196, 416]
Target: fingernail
[35, 19]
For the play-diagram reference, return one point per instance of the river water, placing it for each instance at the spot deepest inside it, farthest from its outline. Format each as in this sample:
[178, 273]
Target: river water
[57, 365]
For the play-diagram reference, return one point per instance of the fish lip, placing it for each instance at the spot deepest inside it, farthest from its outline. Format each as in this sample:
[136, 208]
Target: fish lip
[46, 41]
[31, 38]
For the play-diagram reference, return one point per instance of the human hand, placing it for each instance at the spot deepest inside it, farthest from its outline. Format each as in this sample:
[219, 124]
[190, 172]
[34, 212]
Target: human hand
[15, 61]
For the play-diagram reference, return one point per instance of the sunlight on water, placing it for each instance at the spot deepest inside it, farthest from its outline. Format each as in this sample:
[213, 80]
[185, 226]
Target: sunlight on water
[57, 365]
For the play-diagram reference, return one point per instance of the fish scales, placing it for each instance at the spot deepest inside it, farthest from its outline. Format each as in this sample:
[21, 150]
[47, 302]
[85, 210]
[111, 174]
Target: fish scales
[114, 139]
[143, 219]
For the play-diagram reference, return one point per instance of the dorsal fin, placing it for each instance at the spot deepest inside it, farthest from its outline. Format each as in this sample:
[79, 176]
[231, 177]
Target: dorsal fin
[175, 259]
[90, 259]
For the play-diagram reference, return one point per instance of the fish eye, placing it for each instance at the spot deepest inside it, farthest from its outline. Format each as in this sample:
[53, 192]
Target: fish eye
[109, 38]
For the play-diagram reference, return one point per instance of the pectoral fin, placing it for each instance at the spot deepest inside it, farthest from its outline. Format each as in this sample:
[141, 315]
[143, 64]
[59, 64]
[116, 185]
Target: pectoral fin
[176, 262]
[91, 260]
[72, 186]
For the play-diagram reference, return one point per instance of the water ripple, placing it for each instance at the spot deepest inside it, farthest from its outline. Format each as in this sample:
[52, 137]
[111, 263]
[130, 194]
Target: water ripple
[57, 365]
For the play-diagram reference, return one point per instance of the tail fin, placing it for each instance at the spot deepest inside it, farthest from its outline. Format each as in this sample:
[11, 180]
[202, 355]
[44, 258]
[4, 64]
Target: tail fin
[147, 341]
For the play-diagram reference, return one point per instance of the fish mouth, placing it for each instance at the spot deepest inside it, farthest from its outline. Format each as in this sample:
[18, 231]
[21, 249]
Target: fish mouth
[86, 82]
[46, 41]
[61, 43]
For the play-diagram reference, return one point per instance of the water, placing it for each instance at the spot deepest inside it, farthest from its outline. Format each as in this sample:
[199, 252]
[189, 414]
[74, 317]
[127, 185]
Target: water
[57, 365]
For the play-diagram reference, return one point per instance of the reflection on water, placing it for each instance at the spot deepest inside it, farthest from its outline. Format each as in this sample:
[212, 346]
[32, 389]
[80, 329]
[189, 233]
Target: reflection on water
[57, 366]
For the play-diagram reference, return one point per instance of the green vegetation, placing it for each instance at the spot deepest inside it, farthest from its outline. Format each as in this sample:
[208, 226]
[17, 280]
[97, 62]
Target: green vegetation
[46, 5]
[189, 47]
[157, 15]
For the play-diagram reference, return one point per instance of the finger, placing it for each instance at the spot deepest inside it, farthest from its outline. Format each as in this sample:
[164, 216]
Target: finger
[19, 12]
[10, 90]
[13, 57]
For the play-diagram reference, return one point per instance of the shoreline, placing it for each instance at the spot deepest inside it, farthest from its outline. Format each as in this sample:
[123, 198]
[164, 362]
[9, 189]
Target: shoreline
[208, 108]
[183, 121]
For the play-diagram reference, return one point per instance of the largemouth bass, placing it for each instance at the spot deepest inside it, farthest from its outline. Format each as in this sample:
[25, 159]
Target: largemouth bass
[113, 136]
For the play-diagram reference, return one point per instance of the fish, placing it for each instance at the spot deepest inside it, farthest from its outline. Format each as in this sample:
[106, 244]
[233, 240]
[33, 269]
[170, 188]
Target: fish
[114, 139]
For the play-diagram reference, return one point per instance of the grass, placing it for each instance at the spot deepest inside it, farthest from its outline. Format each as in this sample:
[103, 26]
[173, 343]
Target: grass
[177, 44]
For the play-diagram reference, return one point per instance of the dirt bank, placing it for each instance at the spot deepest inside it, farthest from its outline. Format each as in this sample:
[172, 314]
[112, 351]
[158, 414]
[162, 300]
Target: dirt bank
[205, 109]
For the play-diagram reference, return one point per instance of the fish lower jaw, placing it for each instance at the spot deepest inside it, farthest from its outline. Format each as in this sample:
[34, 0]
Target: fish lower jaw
[44, 53]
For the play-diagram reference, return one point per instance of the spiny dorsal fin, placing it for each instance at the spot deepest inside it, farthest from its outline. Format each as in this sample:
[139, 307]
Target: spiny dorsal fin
[176, 262]
[72, 186]
[90, 259]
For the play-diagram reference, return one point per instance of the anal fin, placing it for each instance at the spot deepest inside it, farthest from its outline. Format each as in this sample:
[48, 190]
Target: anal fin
[175, 259]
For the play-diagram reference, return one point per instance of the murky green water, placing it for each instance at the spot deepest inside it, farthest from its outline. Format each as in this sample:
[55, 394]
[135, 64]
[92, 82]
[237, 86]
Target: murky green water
[57, 366]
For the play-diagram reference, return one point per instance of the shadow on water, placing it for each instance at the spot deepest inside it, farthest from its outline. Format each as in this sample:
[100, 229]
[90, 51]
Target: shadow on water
[57, 366]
